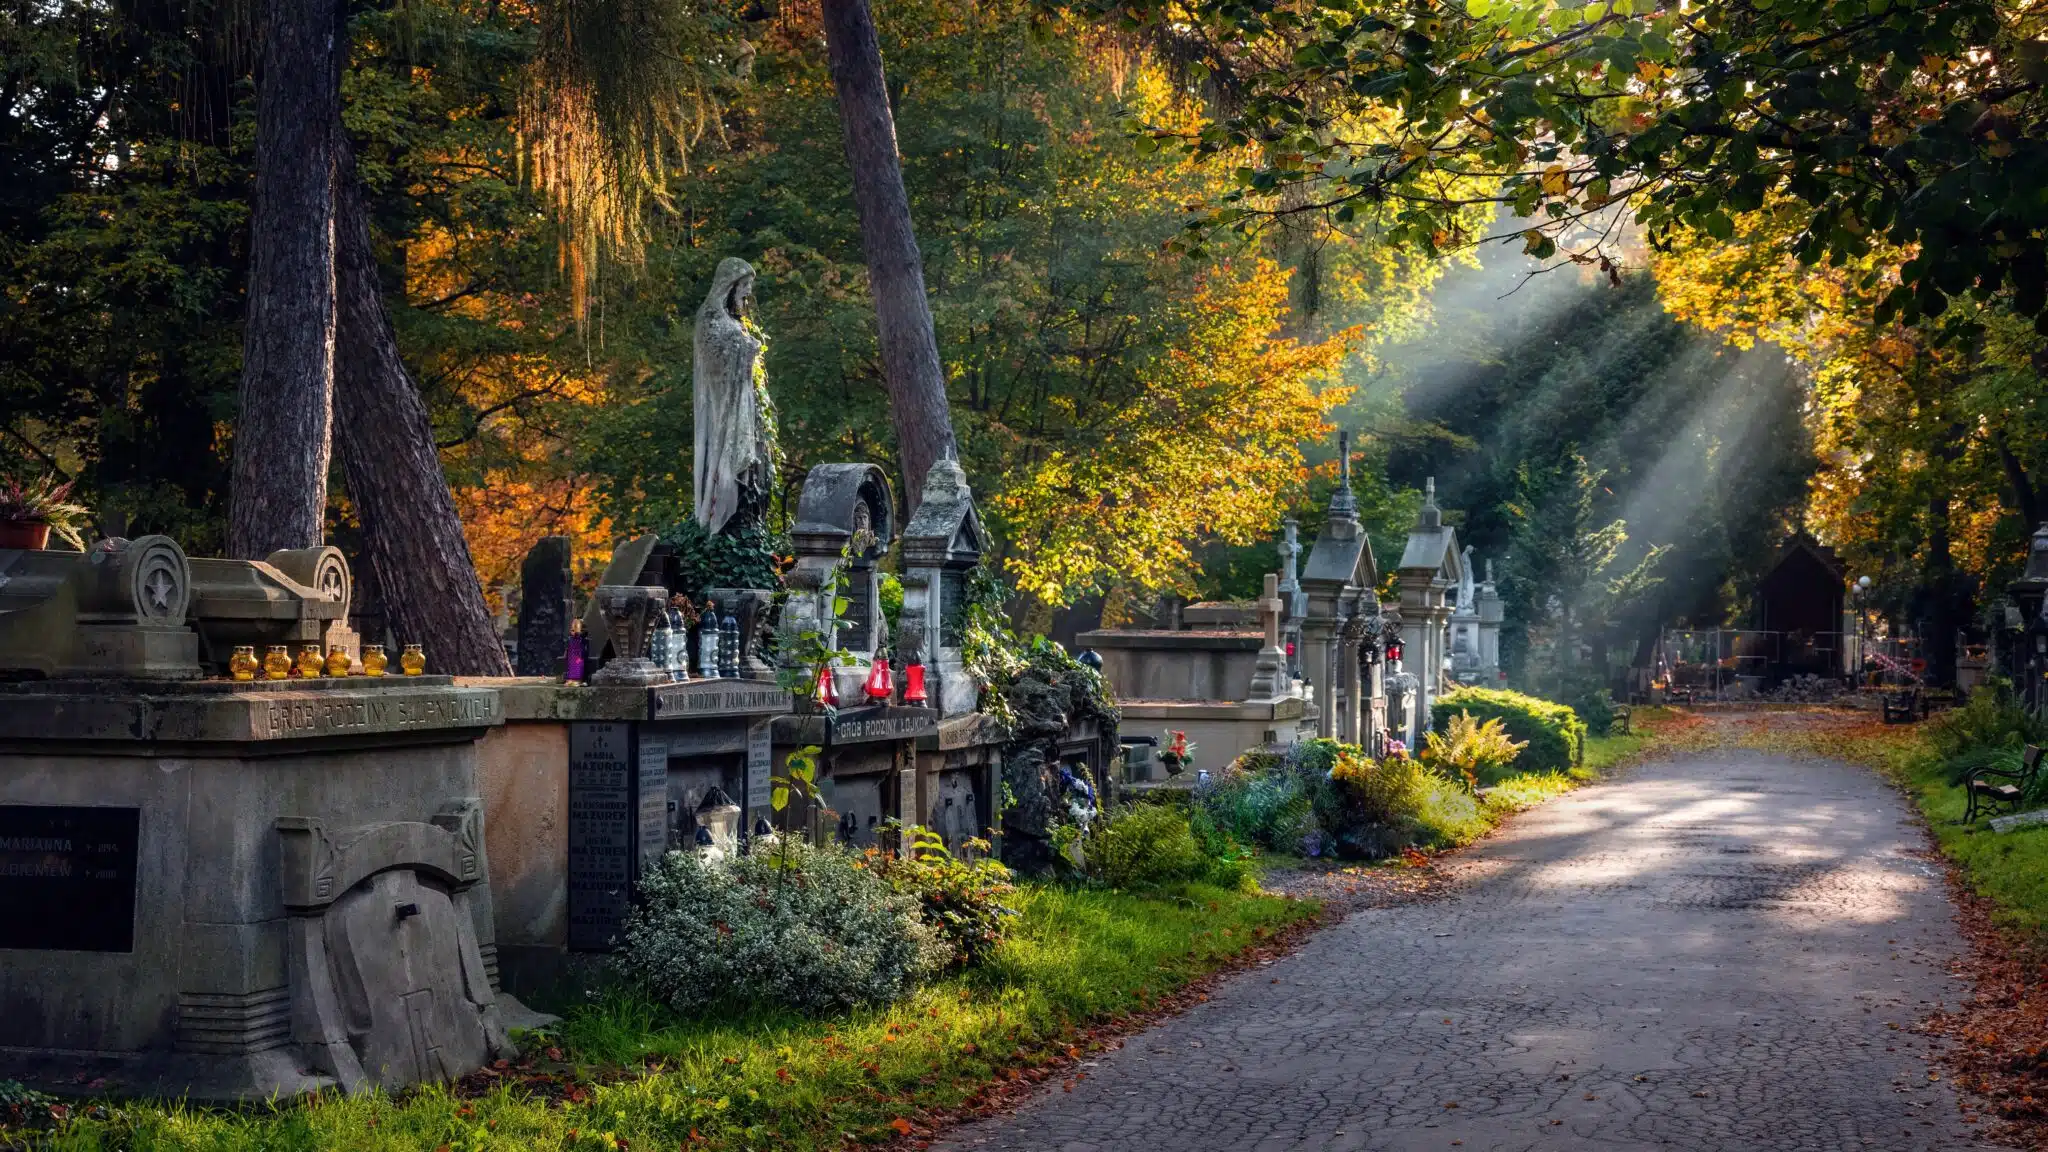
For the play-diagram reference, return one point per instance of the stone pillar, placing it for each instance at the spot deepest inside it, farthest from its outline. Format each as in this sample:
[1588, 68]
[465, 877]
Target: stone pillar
[1351, 727]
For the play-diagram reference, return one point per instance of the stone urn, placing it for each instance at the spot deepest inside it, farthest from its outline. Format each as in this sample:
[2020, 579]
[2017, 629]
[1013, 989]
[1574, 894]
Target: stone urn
[629, 610]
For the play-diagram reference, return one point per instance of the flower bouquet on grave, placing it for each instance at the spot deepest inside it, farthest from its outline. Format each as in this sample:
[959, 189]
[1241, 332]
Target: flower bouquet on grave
[1178, 753]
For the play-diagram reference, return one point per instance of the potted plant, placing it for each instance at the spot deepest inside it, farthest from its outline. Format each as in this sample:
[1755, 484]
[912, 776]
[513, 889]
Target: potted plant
[29, 512]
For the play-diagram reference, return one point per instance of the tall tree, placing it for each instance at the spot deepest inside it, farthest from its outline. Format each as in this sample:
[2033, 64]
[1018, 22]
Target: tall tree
[412, 537]
[903, 316]
[279, 494]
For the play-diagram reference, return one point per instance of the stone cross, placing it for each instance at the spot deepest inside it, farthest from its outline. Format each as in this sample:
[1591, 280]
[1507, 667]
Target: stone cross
[1269, 675]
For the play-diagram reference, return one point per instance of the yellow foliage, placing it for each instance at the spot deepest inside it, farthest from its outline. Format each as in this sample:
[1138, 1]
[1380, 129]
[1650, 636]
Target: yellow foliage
[1207, 448]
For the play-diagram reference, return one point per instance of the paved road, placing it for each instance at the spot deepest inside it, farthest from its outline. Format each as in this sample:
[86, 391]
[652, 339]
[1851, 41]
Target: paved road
[1709, 954]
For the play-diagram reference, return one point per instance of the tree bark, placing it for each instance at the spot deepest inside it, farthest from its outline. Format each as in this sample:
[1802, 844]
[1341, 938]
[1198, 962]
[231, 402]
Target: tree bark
[278, 497]
[2026, 502]
[903, 316]
[1945, 609]
[412, 537]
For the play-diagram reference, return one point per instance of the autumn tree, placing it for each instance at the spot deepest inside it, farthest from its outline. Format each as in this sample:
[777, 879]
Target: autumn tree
[1915, 123]
[1204, 442]
[1925, 429]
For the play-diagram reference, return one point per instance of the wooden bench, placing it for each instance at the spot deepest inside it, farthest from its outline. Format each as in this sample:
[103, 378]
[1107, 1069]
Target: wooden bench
[1902, 707]
[1623, 715]
[1992, 788]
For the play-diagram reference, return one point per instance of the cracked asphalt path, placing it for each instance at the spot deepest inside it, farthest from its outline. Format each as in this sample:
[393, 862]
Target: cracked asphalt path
[1721, 951]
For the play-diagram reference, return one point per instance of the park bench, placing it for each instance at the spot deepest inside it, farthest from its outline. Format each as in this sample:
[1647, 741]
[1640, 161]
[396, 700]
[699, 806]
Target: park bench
[1991, 788]
[1901, 707]
[1623, 714]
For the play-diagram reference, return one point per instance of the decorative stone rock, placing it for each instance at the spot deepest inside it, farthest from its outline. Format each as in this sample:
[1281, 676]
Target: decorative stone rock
[388, 983]
[629, 560]
[295, 597]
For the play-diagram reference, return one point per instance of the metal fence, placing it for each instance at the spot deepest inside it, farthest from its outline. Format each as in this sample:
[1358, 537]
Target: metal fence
[1725, 663]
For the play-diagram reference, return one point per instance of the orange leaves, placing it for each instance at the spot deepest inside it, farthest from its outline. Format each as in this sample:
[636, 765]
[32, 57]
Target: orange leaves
[901, 1125]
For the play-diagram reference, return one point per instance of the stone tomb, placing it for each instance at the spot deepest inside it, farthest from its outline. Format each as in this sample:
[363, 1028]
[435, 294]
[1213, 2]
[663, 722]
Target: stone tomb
[230, 890]
[1345, 628]
[867, 770]
[265, 887]
[586, 786]
[1432, 568]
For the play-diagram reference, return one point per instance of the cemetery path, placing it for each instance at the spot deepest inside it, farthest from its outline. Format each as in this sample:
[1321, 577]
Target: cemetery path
[1724, 951]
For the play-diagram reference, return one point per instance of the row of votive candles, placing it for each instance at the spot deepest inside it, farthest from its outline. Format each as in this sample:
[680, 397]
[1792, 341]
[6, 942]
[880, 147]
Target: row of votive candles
[278, 664]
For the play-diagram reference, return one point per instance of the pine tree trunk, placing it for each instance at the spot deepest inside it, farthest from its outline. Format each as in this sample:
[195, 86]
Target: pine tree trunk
[412, 537]
[903, 316]
[281, 451]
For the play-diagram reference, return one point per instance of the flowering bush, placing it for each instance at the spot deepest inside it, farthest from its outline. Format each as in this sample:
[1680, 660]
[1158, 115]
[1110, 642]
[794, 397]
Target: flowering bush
[963, 899]
[797, 927]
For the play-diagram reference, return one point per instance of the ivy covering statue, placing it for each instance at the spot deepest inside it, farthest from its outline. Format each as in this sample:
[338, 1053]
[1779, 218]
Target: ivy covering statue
[726, 542]
[735, 434]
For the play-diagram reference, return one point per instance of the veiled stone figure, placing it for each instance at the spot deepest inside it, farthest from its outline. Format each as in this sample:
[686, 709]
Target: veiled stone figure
[733, 467]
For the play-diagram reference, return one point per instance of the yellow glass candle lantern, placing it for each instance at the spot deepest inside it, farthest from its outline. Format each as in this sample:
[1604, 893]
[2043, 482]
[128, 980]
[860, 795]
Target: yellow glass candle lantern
[310, 663]
[374, 660]
[243, 664]
[277, 663]
[412, 661]
[338, 663]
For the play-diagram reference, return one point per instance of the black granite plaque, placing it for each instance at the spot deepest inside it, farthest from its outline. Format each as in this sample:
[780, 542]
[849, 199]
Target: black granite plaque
[67, 877]
[857, 631]
[652, 792]
[952, 608]
[601, 820]
[544, 607]
[760, 769]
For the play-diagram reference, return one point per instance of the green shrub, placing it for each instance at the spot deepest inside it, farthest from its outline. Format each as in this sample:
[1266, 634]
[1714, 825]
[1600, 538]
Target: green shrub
[963, 899]
[1991, 718]
[1144, 845]
[801, 928]
[1553, 732]
[1369, 808]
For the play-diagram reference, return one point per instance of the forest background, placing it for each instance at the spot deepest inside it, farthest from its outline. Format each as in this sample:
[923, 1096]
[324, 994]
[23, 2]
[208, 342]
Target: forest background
[1632, 443]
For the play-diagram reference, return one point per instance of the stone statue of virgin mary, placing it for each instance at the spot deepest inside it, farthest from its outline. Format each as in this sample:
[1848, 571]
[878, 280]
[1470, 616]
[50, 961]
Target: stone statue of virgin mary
[734, 465]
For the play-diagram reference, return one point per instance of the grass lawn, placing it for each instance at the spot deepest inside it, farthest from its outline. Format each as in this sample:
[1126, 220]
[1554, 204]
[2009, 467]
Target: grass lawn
[629, 1078]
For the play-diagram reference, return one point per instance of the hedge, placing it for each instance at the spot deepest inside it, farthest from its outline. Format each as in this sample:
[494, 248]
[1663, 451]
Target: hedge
[1556, 736]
